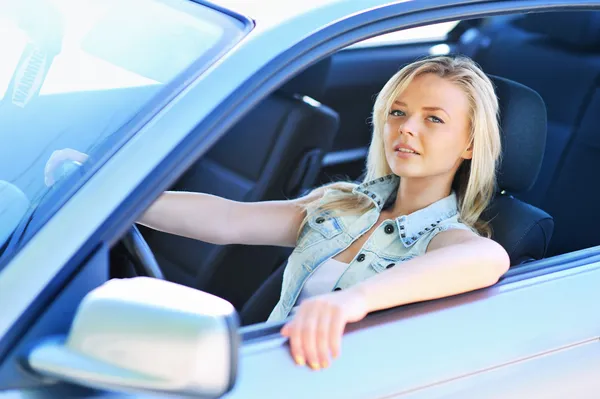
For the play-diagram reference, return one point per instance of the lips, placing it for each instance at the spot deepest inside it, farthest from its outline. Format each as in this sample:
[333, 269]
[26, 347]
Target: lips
[405, 149]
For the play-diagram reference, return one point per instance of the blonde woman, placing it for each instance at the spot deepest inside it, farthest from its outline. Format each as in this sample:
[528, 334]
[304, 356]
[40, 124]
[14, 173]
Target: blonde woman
[410, 232]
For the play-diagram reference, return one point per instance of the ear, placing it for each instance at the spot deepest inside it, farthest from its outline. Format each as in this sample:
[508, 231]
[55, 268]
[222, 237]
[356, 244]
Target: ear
[468, 153]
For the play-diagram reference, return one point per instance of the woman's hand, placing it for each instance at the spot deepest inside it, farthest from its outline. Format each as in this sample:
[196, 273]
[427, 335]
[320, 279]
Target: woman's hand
[315, 332]
[58, 157]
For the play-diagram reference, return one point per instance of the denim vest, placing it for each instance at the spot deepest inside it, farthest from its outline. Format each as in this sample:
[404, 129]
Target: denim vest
[393, 242]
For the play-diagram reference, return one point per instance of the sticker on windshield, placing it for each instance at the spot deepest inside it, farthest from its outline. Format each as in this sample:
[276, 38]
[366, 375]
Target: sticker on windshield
[30, 75]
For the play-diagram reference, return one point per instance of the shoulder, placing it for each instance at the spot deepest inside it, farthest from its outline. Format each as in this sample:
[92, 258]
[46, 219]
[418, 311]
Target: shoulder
[337, 188]
[451, 232]
[453, 223]
[326, 194]
[443, 233]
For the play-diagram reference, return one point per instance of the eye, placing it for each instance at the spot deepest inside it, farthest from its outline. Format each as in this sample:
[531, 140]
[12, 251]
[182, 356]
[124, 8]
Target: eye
[397, 112]
[435, 119]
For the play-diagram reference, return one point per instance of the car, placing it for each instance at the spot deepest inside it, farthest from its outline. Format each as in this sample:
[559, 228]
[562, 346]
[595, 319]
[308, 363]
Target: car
[266, 100]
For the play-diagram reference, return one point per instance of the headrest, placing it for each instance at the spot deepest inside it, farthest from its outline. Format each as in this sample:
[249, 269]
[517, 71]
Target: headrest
[523, 132]
[311, 82]
[579, 29]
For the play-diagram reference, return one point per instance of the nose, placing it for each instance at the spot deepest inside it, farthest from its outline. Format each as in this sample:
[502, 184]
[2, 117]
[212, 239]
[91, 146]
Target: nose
[409, 126]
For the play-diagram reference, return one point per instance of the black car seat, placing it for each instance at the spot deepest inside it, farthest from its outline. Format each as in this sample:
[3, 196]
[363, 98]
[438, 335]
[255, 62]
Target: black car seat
[558, 55]
[522, 229]
[274, 152]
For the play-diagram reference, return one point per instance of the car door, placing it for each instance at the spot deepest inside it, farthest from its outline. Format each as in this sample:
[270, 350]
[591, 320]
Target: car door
[40, 288]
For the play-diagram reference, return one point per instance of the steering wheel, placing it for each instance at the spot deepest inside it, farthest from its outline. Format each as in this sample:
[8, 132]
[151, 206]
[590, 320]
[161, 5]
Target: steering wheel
[143, 259]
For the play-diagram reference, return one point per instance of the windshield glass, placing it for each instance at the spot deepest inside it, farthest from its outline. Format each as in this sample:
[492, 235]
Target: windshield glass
[75, 75]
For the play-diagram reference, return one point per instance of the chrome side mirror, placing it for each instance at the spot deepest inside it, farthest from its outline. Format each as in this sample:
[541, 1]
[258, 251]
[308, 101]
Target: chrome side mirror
[144, 334]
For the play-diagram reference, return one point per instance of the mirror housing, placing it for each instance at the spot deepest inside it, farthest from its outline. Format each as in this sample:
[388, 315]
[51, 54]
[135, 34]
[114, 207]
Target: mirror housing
[146, 334]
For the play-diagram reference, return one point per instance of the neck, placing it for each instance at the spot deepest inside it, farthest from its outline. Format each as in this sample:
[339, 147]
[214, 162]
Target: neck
[417, 193]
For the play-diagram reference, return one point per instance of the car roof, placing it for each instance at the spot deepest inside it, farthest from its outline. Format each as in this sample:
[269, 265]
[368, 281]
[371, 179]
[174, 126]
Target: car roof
[267, 10]
[272, 12]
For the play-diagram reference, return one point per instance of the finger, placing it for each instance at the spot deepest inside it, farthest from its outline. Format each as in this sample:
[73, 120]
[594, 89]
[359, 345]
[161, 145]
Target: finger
[336, 331]
[309, 337]
[296, 342]
[48, 178]
[56, 158]
[75, 155]
[49, 161]
[49, 174]
[322, 337]
[285, 331]
[54, 154]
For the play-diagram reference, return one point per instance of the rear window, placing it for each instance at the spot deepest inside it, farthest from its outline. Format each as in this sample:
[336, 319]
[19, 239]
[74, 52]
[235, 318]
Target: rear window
[423, 34]
[82, 74]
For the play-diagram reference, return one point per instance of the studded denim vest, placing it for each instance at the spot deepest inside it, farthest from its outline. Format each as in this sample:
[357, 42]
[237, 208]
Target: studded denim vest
[391, 243]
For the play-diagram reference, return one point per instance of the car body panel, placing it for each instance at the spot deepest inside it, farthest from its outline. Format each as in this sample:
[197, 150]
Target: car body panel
[438, 344]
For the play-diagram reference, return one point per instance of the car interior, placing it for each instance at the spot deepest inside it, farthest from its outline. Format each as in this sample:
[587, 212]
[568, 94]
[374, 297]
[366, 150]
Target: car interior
[316, 129]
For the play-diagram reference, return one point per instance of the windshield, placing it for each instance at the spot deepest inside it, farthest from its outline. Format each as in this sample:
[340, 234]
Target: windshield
[75, 75]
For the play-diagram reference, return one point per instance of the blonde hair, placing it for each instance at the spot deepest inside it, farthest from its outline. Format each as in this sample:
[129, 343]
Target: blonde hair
[475, 180]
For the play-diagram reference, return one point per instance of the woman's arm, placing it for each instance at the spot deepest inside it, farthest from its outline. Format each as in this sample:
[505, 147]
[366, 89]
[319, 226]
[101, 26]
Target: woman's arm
[456, 261]
[218, 220]
[210, 218]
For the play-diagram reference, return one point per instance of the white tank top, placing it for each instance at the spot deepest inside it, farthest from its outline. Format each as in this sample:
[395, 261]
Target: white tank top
[323, 279]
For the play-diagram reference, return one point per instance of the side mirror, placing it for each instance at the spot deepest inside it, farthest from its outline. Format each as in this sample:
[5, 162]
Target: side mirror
[144, 334]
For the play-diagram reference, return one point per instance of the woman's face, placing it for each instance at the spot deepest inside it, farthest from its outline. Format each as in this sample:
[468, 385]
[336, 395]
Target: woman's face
[427, 129]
